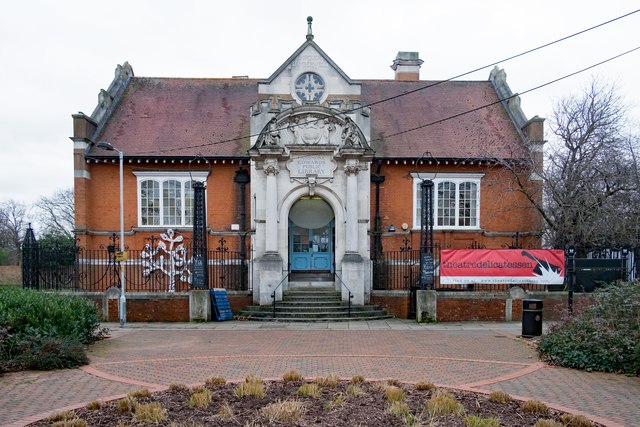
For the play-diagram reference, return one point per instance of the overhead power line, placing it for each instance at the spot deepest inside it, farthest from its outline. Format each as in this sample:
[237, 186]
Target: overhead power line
[526, 52]
[455, 116]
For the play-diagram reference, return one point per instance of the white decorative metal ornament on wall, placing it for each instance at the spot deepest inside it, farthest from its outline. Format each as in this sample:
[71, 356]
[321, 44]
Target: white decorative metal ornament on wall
[168, 258]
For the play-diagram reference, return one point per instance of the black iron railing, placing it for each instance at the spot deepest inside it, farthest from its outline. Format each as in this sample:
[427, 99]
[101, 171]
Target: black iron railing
[350, 294]
[400, 270]
[77, 269]
[396, 270]
[273, 294]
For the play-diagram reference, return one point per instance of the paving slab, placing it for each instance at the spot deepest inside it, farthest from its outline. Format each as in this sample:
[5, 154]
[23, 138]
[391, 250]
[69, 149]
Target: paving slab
[471, 356]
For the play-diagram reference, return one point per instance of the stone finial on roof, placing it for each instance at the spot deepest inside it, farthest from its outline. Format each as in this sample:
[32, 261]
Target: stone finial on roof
[309, 32]
[511, 102]
[108, 99]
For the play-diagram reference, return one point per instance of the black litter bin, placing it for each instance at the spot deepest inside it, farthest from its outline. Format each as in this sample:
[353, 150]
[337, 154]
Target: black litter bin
[531, 317]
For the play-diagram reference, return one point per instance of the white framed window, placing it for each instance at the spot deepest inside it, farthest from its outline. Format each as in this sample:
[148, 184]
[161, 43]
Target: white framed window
[456, 200]
[165, 198]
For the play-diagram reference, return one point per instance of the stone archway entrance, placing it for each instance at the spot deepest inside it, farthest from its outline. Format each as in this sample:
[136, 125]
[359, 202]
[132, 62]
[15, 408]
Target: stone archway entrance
[311, 236]
[310, 179]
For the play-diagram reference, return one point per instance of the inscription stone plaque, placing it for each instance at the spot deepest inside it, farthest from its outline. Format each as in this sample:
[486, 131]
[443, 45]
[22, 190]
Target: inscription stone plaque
[303, 166]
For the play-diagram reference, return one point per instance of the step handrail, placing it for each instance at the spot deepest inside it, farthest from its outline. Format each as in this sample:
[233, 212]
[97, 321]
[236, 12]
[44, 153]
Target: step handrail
[349, 290]
[273, 294]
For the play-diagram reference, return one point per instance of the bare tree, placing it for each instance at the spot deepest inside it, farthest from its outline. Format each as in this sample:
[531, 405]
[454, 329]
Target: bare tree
[591, 198]
[12, 224]
[56, 213]
[590, 179]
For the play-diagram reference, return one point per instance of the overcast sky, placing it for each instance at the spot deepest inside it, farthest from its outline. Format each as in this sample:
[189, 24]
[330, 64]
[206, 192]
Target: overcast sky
[57, 55]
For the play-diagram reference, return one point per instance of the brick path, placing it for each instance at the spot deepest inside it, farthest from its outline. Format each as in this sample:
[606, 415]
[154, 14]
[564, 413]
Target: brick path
[479, 357]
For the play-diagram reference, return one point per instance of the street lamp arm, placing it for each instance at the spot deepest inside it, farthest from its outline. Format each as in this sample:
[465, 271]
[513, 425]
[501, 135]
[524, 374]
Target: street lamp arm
[108, 146]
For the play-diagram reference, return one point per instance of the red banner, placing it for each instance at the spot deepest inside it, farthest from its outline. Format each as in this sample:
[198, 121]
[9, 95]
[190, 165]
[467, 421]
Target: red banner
[517, 266]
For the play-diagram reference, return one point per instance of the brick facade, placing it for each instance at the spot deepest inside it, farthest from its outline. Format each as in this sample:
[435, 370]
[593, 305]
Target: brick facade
[503, 209]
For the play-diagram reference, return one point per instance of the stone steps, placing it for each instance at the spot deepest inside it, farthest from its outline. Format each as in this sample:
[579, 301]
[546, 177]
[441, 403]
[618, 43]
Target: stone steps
[313, 304]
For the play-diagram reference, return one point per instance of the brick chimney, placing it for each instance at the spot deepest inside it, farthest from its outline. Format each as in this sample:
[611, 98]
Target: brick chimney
[407, 66]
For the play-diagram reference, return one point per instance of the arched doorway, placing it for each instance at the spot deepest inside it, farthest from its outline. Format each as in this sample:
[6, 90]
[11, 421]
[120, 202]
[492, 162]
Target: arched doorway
[311, 236]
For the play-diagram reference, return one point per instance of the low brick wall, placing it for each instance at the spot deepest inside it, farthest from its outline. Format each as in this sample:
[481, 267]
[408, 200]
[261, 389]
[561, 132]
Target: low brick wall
[450, 306]
[395, 303]
[470, 306]
[239, 300]
[482, 306]
[154, 306]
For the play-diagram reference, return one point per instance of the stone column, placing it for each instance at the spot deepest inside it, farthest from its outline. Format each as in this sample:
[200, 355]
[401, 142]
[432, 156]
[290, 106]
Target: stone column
[352, 263]
[271, 169]
[351, 169]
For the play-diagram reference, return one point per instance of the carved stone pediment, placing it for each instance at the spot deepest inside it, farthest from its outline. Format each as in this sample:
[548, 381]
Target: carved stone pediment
[310, 128]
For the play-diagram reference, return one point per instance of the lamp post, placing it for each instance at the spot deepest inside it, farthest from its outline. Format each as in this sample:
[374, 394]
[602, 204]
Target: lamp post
[123, 300]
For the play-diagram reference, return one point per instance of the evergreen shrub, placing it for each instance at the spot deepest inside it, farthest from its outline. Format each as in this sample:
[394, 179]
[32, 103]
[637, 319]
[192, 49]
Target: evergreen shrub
[604, 337]
[43, 331]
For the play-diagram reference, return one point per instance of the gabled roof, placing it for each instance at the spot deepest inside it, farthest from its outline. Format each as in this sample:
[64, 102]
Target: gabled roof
[307, 43]
[171, 117]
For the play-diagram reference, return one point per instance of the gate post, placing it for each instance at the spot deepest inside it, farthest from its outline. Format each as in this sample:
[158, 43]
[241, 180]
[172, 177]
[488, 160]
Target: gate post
[200, 272]
[625, 258]
[426, 237]
[571, 276]
[30, 260]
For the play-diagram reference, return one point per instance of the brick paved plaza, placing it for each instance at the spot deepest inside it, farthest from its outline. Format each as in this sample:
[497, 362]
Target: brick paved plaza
[471, 356]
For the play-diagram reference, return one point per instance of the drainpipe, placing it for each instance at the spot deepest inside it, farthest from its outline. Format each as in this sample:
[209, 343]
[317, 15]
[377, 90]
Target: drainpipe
[242, 177]
[377, 179]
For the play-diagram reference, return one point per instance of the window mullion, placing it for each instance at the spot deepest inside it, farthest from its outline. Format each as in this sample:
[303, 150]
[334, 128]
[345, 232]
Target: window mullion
[183, 204]
[161, 213]
[456, 190]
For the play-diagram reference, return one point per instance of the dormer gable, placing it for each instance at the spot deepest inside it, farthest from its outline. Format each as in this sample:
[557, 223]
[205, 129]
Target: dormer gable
[309, 77]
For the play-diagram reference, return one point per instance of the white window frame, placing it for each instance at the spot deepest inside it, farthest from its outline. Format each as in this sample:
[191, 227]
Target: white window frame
[457, 179]
[161, 177]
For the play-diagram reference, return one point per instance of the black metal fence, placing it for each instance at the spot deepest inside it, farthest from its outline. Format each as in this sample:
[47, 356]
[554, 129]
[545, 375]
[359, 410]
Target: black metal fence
[628, 257]
[400, 270]
[72, 268]
[396, 270]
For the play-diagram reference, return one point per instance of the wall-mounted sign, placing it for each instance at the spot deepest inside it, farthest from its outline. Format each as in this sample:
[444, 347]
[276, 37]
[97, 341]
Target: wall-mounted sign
[322, 166]
[427, 270]
[199, 273]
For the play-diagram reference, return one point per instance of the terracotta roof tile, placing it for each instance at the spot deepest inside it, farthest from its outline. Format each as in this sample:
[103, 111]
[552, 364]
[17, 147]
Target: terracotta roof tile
[487, 132]
[182, 117]
[188, 117]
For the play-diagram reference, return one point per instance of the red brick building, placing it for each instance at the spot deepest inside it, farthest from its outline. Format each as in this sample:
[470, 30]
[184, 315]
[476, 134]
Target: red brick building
[334, 165]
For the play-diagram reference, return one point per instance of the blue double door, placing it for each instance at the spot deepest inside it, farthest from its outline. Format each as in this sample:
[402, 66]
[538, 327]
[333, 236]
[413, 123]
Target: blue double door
[311, 249]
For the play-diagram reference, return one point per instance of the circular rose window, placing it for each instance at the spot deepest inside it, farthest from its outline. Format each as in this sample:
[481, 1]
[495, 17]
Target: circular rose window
[309, 87]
